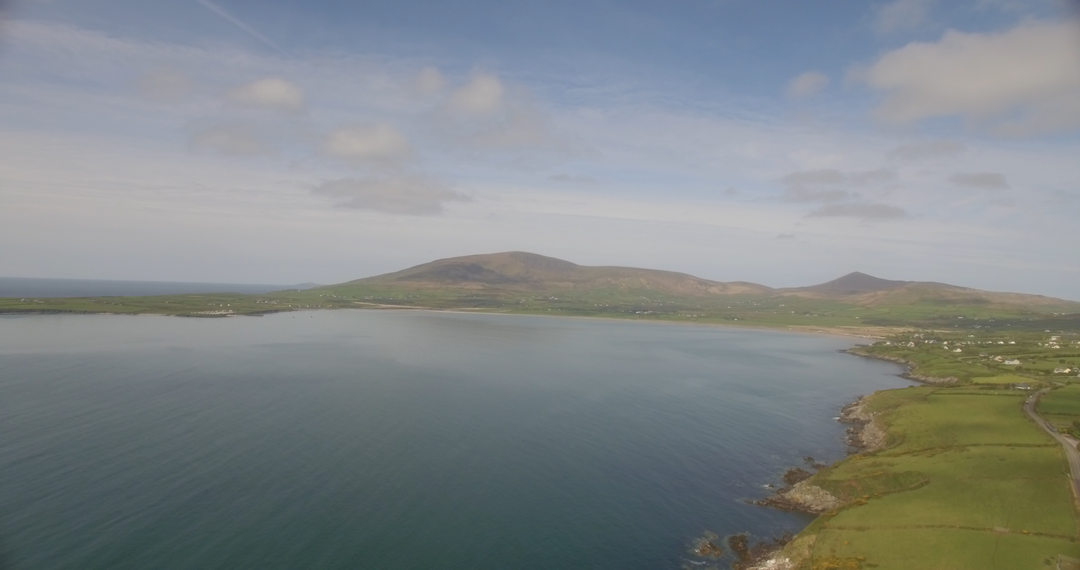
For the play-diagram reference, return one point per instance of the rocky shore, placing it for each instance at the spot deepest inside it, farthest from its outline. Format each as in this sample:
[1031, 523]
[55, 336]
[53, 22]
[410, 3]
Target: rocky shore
[799, 495]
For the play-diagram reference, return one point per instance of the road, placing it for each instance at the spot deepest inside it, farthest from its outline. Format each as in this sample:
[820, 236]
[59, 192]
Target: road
[1068, 442]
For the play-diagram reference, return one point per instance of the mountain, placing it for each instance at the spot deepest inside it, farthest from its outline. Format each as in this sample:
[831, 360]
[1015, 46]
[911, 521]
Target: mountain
[868, 291]
[852, 284]
[509, 274]
[518, 270]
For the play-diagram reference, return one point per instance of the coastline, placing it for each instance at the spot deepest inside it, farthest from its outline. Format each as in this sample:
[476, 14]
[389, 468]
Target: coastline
[863, 435]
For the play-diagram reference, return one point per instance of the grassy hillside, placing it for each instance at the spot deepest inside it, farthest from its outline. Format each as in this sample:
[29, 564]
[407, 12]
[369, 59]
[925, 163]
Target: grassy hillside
[964, 479]
[966, 482]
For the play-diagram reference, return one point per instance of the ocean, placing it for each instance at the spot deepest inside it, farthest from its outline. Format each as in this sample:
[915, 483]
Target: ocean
[40, 288]
[403, 439]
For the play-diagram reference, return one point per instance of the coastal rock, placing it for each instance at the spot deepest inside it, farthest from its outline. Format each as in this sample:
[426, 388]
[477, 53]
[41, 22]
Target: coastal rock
[796, 475]
[802, 497]
[777, 563]
[811, 498]
[750, 557]
[864, 434]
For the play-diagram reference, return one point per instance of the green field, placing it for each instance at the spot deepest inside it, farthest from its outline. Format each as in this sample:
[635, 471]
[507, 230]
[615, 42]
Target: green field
[966, 482]
[1061, 407]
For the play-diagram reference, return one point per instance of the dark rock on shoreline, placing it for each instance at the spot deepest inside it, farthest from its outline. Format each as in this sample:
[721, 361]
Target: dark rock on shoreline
[749, 555]
[796, 475]
[706, 546]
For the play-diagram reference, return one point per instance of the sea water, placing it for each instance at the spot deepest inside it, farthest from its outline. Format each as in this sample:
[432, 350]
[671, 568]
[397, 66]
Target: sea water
[402, 440]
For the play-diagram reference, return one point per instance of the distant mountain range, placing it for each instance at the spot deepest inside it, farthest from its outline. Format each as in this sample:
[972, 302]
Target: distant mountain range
[529, 272]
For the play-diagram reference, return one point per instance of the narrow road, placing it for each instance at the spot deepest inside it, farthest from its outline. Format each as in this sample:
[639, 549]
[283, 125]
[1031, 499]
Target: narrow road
[1068, 442]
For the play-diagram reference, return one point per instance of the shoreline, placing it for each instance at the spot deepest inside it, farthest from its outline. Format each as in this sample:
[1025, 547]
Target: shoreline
[797, 495]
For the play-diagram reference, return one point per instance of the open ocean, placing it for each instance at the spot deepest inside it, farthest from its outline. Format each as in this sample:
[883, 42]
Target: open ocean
[402, 440]
[39, 288]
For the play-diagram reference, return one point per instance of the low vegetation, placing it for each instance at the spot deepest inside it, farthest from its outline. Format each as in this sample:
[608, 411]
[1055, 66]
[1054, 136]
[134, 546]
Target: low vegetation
[965, 480]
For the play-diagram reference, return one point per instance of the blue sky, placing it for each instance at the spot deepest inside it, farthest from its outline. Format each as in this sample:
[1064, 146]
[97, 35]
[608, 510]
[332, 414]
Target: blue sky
[785, 143]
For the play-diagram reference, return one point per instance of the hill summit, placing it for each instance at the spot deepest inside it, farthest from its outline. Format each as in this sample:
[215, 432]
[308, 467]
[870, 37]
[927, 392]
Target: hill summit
[529, 271]
[855, 283]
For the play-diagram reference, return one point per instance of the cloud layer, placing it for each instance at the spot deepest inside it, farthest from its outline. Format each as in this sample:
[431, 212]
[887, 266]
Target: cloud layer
[1021, 82]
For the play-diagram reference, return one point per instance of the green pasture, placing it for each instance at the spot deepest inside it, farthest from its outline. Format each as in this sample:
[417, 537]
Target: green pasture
[936, 548]
[967, 482]
[944, 419]
[1063, 401]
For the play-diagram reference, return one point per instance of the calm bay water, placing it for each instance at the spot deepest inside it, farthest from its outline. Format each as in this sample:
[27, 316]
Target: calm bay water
[401, 440]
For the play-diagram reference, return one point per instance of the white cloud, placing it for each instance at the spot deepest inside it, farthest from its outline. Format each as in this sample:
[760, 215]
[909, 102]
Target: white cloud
[983, 180]
[807, 84]
[482, 95]
[928, 150]
[405, 195]
[1024, 81]
[238, 139]
[379, 143]
[902, 15]
[272, 93]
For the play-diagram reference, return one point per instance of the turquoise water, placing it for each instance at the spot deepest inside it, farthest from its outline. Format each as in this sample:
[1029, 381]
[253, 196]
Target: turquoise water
[401, 440]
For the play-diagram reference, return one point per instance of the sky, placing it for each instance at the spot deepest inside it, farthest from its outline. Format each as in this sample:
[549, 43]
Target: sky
[784, 143]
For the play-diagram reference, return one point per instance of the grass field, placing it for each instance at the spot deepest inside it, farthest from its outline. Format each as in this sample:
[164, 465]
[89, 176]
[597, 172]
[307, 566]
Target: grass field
[1061, 407]
[967, 482]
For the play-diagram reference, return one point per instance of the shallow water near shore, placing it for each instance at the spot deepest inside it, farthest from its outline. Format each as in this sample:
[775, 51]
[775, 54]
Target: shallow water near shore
[402, 440]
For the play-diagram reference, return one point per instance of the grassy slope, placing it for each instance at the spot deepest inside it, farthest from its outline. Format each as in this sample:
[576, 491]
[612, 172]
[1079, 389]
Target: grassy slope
[966, 481]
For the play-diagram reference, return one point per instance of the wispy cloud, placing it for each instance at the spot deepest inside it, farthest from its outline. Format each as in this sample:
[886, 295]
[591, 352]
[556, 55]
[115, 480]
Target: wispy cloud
[982, 180]
[866, 211]
[240, 24]
[928, 150]
[273, 93]
[807, 84]
[166, 84]
[367, 144]
[828, 185]
[572, 179]
[404, 195]
[236, 138]
[902, 16]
